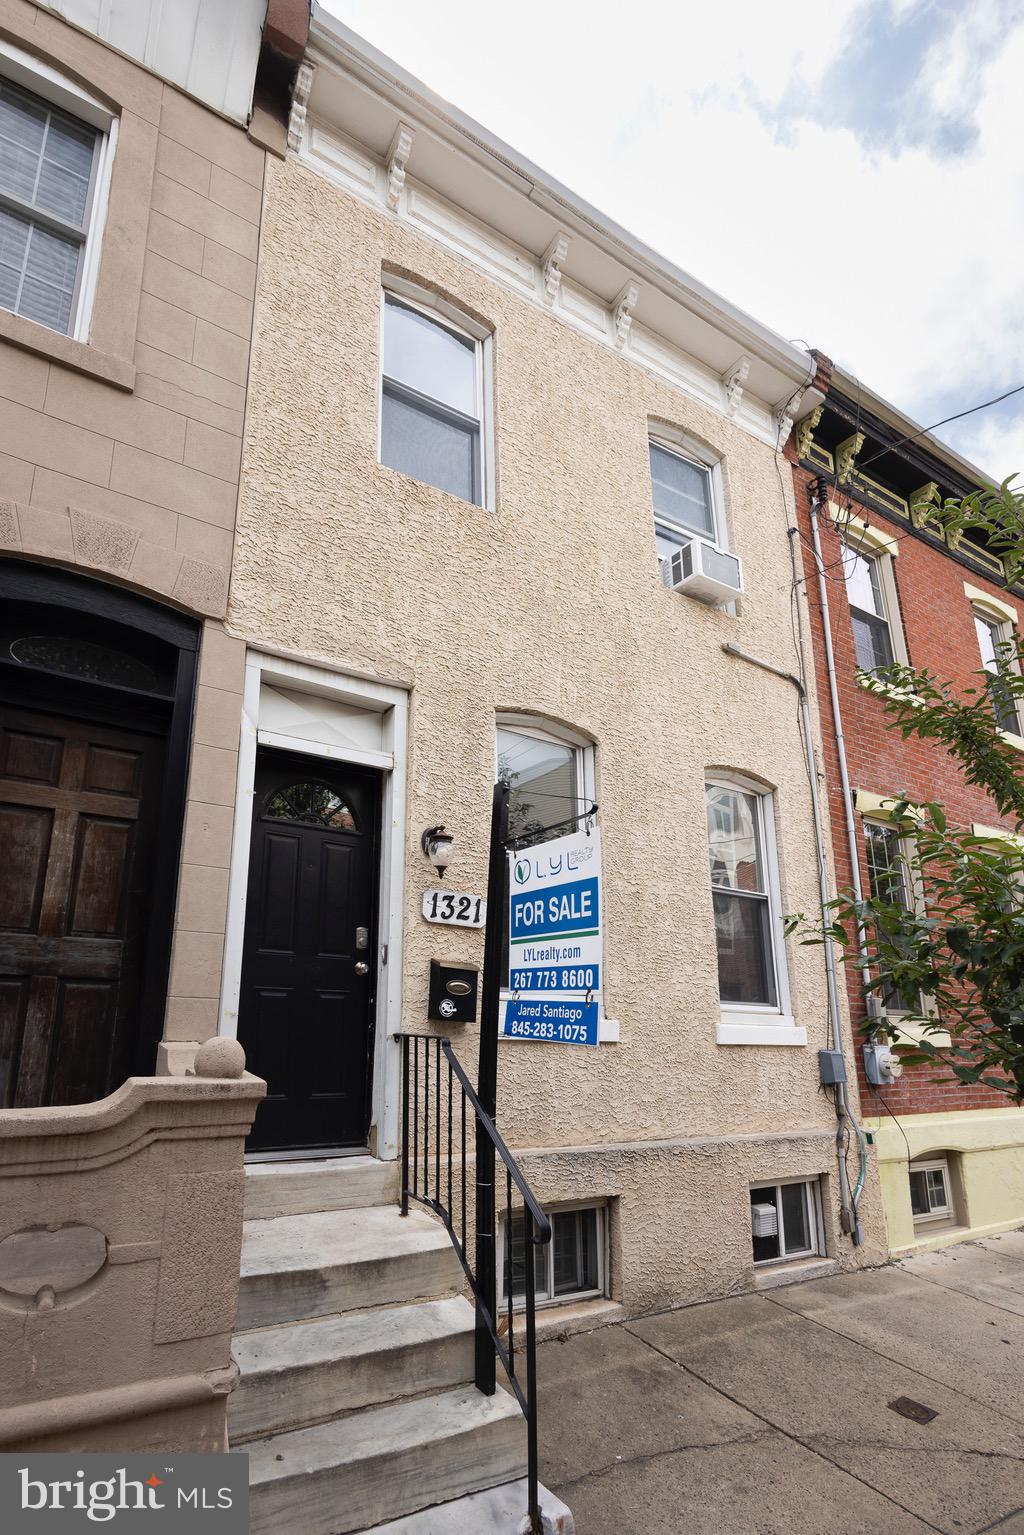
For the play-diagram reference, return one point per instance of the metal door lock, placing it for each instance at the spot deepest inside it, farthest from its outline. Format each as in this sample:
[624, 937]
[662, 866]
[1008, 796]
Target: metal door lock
[362, 968]
[362, 937]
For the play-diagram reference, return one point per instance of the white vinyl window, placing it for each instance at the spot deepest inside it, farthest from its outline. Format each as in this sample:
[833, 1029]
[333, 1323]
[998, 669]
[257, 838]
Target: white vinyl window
[785, 1221]
[551, 783]
[890, 880]
[930, 1192]
[686, 493]
[571, 1266]
[745, 898]
[51, 180]
[996, 641]
[869, 592]
[433, 406]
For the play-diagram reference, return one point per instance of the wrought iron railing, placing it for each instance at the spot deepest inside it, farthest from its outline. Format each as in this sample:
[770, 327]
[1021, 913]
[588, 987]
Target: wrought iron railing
[440, 1109]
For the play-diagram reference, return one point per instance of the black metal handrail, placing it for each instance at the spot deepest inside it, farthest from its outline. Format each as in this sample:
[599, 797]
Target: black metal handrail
[436, 1105]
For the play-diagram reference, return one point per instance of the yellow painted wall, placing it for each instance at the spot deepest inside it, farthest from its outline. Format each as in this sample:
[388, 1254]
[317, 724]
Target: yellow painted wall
[986, 1156]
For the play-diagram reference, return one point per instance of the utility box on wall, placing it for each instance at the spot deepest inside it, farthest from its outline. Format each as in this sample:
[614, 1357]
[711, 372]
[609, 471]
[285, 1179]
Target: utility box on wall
[453, 992]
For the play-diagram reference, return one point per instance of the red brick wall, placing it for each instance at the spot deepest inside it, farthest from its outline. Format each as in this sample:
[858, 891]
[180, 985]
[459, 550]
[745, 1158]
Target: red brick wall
[938, 626]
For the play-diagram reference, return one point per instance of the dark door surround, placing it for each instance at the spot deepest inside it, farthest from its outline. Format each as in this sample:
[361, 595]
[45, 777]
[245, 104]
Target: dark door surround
[59, 601]
[307, 1000]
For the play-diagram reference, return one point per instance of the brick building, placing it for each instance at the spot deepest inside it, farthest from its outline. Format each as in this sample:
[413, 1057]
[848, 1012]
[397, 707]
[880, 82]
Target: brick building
[896, 590]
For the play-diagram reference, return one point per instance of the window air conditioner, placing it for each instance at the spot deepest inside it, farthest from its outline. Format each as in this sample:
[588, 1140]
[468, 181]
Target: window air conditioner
[702, 571]
[764, 1220]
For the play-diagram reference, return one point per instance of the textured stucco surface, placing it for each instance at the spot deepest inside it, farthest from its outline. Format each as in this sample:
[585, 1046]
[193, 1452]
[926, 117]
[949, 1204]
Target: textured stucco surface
[551, 605]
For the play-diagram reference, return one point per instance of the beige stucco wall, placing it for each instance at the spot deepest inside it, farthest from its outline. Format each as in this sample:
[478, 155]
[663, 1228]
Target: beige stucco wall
[550, 604]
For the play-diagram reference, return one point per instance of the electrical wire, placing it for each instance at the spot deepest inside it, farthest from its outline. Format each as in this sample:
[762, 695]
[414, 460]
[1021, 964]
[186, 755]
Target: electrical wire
[895, 1121]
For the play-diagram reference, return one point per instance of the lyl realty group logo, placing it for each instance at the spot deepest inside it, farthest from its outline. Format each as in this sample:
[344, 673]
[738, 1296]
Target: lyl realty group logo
[161, 1494]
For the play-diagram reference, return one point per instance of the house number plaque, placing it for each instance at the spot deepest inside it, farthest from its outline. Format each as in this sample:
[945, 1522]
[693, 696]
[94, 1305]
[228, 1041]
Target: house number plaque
[453, 908]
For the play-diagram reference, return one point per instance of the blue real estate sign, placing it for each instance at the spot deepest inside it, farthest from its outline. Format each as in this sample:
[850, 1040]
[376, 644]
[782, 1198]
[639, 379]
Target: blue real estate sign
[555, 940]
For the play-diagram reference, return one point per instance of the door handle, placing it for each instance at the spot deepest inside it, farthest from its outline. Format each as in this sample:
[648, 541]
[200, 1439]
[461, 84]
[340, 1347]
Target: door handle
[362, 968]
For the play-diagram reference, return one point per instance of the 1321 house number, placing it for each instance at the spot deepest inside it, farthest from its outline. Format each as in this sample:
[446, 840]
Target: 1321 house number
[454, 909]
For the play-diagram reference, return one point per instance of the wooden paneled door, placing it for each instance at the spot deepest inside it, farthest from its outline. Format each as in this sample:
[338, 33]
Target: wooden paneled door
[78, 818]
[310, 954]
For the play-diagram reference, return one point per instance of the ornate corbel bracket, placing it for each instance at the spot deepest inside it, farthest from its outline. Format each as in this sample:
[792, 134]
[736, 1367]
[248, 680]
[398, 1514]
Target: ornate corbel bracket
[846, 454]
[922, 503]
[551, 266]
[397, 160]
[300, 101]
[805, 432]
[733, 380]
[622, 312]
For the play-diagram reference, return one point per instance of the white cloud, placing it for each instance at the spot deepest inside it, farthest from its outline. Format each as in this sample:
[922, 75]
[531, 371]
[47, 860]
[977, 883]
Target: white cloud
[710, 135]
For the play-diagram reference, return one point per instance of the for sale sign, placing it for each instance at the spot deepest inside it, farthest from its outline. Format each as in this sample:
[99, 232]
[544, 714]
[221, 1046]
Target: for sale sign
[555, 941]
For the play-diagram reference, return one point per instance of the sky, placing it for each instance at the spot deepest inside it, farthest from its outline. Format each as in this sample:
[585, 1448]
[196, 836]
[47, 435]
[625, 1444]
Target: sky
[851, 173]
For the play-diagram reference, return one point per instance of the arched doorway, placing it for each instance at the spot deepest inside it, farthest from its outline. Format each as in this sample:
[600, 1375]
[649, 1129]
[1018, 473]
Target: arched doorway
[96, 693]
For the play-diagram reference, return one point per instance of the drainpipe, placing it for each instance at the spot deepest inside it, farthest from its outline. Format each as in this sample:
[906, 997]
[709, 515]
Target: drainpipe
[847, 1200]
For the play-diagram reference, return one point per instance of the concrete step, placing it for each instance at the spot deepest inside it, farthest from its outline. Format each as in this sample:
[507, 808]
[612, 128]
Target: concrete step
[299, 1266]
[314, 1370]
[498, 1511]
[380, 1464]
[331, 1183]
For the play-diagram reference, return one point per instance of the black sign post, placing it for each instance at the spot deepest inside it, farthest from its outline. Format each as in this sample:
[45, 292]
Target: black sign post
[487, 1086]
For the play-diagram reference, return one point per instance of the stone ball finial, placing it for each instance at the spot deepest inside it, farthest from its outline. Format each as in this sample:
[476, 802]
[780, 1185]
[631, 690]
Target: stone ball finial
[220, 1057]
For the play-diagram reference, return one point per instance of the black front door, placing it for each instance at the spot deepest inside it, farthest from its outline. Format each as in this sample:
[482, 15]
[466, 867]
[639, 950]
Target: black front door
[310, 959]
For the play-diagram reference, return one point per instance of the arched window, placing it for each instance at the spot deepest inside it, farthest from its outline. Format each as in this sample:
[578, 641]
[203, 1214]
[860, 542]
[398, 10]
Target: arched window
[752, 980]
[314, 804]
[550, 774]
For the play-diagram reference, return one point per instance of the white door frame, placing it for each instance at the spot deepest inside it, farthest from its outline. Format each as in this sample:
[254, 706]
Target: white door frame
[393, 704]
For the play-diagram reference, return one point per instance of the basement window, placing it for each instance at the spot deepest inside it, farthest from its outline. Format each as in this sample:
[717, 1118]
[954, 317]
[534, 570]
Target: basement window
[931, 1191]
[570, 1267]
[785, 1221]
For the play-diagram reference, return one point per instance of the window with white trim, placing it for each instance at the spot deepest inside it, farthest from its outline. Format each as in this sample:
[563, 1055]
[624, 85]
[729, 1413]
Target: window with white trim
[745, 897]
[889, 877]
[870, 594]
[551, 782]
[996, 642]
[785, 1221]
[572, 1266]
[433, 407]
[931, 1193]
[50, 172]
[686, 493]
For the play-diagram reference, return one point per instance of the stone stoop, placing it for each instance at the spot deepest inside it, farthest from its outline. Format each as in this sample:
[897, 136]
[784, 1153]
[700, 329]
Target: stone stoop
[356, 1402]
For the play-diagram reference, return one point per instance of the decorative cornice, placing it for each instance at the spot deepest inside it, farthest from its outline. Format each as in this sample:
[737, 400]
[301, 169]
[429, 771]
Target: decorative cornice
[551, 266]
[300, 101]
[622, 312]
[805, 432]
[397, 160]
[922, 503]
[846, 454]
[733, 380]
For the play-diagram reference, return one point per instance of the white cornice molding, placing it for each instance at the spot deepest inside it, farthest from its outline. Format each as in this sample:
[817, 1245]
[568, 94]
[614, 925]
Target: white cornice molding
[551, 266]
[397, 160]
[357, 90]
[300, 101]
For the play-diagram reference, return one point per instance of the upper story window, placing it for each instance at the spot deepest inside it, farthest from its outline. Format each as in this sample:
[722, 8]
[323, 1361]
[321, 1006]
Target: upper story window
[889, 877]
[744, 892]
[432, 424]
[996, 643]
[49, 172]
[869, 609]
[684, 499]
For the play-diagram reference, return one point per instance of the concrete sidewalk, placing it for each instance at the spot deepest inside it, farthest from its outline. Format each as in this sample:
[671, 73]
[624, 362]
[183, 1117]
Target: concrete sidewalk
[769, 1414]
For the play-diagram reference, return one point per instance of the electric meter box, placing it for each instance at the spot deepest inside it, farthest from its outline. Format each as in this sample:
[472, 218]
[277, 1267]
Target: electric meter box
[453, 992]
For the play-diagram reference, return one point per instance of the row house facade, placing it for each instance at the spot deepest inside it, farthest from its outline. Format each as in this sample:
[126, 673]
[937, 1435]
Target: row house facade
[884, 585]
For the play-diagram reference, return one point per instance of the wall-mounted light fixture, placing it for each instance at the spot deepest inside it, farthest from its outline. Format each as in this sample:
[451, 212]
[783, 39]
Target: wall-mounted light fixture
[437, 845]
